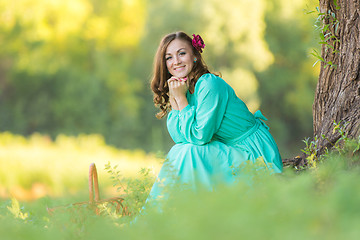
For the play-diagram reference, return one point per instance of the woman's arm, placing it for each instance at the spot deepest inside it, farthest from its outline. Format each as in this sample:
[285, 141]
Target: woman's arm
[173, 103]
[199, 123]
[177, 91]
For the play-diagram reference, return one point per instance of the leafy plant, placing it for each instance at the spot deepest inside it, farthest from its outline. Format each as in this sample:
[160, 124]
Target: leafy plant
[135, 189]
[16, 210]
[327, 24]
[343, 146]
[311, 151]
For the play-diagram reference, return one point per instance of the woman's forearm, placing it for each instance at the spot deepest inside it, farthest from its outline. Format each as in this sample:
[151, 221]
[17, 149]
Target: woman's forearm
[173, 103]
[182, 102]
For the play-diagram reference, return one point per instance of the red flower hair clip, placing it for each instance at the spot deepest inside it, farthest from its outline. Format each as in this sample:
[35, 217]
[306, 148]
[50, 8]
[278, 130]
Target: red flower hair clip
[198, 42]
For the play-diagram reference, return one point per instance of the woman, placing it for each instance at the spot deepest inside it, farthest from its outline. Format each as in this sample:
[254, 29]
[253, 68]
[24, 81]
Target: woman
[213, 129]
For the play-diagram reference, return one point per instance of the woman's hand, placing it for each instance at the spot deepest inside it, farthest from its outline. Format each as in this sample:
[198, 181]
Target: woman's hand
[177, 87]
[177, 91]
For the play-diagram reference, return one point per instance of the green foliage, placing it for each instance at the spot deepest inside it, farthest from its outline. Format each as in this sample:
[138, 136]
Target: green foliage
[342, 147]
[135, 189]
[311, 151]
[16, 211]
[327, 24]
[68, 68]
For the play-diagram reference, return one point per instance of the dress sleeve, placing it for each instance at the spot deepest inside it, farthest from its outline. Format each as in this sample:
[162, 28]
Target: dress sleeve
[174, 127]
[198, 124]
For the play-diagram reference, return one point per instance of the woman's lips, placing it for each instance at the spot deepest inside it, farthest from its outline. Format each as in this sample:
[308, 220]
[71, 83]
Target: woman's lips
[179, 68]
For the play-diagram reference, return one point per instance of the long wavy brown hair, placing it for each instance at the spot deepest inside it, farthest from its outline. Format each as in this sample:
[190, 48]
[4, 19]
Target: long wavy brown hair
[161, 74]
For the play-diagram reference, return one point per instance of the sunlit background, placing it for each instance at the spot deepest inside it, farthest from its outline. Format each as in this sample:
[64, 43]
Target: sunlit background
[83, 67]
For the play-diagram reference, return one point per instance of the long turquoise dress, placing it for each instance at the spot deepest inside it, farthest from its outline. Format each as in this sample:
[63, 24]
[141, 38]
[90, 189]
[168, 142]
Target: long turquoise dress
[214, 134]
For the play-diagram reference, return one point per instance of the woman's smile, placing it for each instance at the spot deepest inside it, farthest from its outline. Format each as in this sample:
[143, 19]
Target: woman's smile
[179, 68]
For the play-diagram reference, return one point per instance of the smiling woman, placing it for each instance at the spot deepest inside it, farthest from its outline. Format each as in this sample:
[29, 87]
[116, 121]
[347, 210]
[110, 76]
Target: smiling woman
[214, 132]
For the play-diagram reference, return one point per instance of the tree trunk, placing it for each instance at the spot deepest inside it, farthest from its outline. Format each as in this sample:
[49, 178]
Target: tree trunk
[337, 96]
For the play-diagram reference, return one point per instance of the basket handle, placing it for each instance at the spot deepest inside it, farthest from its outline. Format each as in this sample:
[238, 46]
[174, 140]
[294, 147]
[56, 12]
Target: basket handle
[93, 180]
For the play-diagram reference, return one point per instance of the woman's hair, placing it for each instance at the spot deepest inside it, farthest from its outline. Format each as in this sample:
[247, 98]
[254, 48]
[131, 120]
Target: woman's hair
[161, 74]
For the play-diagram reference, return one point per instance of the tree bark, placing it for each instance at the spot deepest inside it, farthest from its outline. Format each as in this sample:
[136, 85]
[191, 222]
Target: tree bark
[337, 96]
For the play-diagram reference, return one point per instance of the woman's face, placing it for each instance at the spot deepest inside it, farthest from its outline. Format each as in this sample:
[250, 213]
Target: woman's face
[179, 58]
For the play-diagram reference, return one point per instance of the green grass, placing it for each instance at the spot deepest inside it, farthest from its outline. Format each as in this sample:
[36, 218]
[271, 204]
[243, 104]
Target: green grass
[321, 202]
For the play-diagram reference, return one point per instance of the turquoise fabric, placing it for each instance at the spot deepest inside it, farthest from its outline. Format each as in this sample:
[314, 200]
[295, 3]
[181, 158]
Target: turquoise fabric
[214, 134]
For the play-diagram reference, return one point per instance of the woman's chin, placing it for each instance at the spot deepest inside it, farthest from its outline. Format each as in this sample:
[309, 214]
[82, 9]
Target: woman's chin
[180, 75]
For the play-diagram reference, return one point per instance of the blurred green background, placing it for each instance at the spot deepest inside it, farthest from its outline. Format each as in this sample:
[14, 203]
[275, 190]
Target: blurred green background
[84, 66]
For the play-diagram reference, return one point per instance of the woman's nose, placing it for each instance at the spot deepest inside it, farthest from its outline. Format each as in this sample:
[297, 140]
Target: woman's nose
[177, 60]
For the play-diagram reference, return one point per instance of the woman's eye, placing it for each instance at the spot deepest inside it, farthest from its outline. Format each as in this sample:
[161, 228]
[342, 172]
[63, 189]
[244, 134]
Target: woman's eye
[168, 58]
[182, 53]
